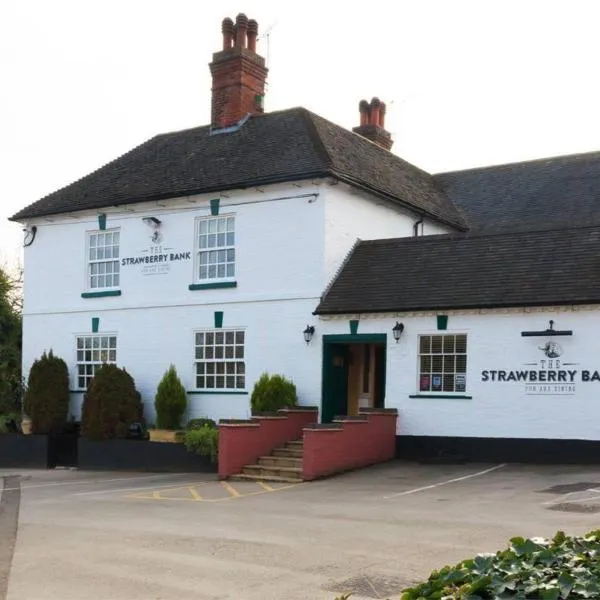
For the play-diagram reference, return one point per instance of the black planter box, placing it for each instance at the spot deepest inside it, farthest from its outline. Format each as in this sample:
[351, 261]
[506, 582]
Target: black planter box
[24, 451]
[134, 455]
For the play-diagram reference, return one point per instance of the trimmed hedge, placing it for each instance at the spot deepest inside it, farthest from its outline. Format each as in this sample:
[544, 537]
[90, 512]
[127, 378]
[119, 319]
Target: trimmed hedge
[110, 405]
[271, 393]
[47, 394]
[170, 401]
[203, 441]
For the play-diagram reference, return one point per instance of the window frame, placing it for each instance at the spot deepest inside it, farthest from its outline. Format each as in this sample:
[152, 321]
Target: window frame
[198, 251]
[89, 261]
[78, 336]
[420, 374]
[224, 360]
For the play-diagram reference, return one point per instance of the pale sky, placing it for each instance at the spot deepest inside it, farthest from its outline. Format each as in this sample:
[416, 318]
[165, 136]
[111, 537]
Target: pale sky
[467, 82]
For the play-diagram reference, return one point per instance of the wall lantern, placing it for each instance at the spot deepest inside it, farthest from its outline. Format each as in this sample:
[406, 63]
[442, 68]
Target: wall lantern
[29, 235]
[308, 333]
[397, 330]
[152, 221]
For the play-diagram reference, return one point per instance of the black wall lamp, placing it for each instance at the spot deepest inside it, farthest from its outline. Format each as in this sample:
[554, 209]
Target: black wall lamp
[397, 330]
[152, 221]
[29, 235]
[308, 333]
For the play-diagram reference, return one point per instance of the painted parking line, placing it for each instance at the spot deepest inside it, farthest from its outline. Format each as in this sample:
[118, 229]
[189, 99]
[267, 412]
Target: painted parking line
[214, 491]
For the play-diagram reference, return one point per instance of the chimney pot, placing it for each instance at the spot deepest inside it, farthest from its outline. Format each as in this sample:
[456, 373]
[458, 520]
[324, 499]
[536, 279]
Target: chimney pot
[252, 34]
[375, 107]
[241, 26]
[227, 30]
[372, 118]
[382, 109]
[363, 108]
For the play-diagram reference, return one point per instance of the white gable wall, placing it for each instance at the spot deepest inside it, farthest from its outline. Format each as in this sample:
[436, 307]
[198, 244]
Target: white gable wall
[495, 409]
[351, 214]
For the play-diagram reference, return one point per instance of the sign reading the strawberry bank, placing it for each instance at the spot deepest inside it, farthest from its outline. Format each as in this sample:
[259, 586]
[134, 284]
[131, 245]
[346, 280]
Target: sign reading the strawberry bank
[550, 375]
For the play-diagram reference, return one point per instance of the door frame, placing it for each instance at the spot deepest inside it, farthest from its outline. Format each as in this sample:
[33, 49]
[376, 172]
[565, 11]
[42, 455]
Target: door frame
[345, 338]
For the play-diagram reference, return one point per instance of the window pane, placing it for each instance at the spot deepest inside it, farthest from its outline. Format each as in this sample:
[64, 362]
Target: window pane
[448, 383]
[239, 337]
[461, 343]
[461, 363]
[425, 344]
[449, 364]
[436, 344]
[425, 364]
[449, 344]
[219, 337]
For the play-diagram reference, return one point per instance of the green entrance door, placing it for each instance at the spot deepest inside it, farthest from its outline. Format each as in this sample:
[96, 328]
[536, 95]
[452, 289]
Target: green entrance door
[335, 381]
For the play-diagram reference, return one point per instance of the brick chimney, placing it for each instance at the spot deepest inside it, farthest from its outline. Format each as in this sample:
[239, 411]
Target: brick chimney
[372, 123]
[238, 73]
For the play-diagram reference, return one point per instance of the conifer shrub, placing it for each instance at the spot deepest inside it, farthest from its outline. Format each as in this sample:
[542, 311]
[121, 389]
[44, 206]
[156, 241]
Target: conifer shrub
[271, 393]
[170, 401]
[110, 405]
[46, 400]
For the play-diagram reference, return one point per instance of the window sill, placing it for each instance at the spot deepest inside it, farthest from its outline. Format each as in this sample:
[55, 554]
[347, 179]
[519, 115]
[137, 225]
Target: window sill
[219, 392]
[443, 396]
[77, 391]
[216, 285]
[101, 294]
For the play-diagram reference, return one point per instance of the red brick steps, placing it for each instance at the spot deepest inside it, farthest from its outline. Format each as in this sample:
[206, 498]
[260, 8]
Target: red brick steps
[284, 464]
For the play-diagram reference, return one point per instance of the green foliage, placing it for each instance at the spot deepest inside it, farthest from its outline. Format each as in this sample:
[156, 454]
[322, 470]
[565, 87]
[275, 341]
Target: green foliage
[11, 382]
[170, 401]
[47, 395]
[4, 419]
[203, 441]
[200, 423]
[272, 392]
[540, 569]
[110, 405]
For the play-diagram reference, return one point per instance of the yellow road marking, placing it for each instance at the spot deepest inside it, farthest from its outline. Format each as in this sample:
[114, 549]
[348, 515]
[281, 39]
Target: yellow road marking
[266, 486]
[234, 493]
[195, 495]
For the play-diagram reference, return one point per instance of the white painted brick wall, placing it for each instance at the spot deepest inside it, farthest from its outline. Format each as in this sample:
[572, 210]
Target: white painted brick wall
[497, 409]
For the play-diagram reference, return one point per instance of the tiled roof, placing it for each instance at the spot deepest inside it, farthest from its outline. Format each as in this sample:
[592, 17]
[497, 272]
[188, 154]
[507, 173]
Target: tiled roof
[554, 192]
[538, 268]
[282, 146]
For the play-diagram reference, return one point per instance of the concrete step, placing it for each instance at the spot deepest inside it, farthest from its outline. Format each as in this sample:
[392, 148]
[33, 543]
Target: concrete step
[267, 472]
[287, 452]
[280, 461]
[295, 445]
[246, 477]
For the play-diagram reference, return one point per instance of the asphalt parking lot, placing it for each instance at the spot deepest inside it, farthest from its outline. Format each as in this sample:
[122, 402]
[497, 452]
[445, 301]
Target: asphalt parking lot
[84, 535]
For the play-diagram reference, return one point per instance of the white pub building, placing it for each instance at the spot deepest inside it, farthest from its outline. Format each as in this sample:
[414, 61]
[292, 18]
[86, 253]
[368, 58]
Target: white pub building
[282, 242]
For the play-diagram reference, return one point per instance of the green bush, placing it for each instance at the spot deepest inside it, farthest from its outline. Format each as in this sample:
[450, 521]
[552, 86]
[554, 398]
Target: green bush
[170, 401]
[540, 569]
[200, 423]
[110, 405]
[272, 392]
[47, 394]
[203, 441]
[4, 420]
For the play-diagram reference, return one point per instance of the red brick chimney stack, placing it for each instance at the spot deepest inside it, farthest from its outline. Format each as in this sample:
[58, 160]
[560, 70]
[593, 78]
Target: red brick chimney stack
[372, 123]
[238, 74]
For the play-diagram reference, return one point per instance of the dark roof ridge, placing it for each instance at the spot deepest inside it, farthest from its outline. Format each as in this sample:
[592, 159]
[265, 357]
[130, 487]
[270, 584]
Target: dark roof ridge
[474, 235]
[530, 161]
[316, 138]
